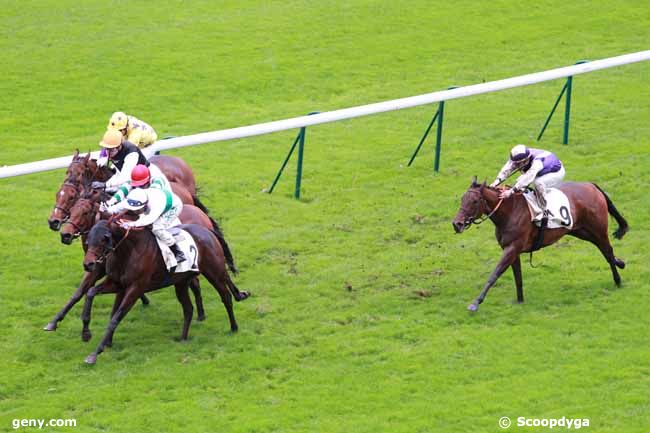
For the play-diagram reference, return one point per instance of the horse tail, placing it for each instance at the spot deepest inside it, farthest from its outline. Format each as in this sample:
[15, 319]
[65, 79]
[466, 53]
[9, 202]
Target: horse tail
[622, 223]
[230, 261]
[198, 203]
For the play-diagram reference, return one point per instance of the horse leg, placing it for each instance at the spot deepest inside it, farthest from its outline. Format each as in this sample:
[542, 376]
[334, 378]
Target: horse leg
[145, 300]
[108, 286]
[89, 280]
[119, 297]
[132, 293]
[507, 259]
[239, 296]
[601, 241]
[219, 283]
[198, 299]
[184, 298]
[516, 270]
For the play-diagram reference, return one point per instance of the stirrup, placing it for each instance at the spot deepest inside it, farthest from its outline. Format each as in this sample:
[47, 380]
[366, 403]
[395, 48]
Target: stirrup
[180, 257]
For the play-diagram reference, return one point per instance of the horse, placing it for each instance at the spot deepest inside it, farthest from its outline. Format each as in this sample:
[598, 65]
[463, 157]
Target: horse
[132, 259]
[83, 170]
[72, 187]
[82, 217]
[517, 234]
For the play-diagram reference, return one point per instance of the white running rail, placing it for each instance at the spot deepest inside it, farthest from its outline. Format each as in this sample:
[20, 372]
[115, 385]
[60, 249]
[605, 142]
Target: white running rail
[350, 113]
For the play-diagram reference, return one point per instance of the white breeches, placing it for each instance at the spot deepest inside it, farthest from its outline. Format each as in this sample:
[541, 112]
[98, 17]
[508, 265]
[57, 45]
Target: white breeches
[159, 228]
[543, 183]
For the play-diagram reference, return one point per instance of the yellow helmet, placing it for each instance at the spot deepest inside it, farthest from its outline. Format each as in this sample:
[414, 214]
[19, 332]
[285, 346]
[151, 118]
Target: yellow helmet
[118, 121]
[112, 139]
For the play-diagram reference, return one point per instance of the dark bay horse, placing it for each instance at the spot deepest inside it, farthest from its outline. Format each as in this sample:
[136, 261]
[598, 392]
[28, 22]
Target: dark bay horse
[516, 233]
[82, 217]
[133, 261]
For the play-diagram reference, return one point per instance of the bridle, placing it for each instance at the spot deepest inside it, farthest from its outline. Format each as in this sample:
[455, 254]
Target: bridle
[111, 250]
[484, 204]
[66, 212]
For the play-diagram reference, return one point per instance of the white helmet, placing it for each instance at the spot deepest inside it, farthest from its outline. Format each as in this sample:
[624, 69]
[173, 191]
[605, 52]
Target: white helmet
[137, 199]
[519, 153]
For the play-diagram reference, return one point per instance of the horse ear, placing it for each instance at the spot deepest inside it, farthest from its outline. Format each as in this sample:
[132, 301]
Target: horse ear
[87, 157]
[485, 183]
[474, 181]
[76, 154]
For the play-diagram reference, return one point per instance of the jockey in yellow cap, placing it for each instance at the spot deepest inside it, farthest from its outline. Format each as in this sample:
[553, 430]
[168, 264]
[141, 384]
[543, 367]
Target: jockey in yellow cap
[133, 130]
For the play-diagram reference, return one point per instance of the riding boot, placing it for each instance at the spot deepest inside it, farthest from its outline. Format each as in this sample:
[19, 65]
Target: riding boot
[539, 240]
[180, 257]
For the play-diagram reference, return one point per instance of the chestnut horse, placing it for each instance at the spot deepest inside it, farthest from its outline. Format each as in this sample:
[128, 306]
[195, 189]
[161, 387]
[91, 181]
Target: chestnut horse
[82, 218]
[132, 260]
[516, 233]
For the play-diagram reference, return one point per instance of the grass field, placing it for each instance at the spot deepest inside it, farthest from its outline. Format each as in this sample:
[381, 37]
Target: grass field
[358, 319]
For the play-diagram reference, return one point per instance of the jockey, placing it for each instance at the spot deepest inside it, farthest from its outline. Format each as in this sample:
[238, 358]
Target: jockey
[159, 208]
[141, 177]
[539, 167]
[133, 130]
[124, 156]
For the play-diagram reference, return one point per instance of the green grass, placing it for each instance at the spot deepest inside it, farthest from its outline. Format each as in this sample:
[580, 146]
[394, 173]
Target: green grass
[357, 321]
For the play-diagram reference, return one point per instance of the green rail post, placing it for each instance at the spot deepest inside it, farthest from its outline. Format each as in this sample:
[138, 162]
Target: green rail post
[567, 108]
[441, 111]
[301, 150]
[300, 142]
[284, 164]
[548, 119]
[426, 133]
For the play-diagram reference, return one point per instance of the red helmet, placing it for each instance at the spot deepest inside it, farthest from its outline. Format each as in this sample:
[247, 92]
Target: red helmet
[140, 175]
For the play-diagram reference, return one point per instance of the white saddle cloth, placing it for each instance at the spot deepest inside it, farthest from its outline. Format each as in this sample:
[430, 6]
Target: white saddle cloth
[186, 244]
[559, 209]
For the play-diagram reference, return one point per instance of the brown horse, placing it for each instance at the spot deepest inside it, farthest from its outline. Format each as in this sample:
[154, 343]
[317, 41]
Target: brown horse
[83, 170]
[516, 233]
[82, 218]
[133, 261]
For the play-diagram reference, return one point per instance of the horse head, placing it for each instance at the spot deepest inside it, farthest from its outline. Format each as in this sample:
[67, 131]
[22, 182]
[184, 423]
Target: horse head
[100, 244]
[65, 198]
[82, 218]
[472, 206]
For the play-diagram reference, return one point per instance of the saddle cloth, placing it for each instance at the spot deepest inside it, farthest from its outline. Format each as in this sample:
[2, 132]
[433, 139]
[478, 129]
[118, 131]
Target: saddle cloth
[559, 209]
[186, 244]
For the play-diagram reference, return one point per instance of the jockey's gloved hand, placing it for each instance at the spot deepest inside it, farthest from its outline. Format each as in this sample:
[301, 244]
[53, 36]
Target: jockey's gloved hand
[103, 207]
[97, 185]
[506, 193]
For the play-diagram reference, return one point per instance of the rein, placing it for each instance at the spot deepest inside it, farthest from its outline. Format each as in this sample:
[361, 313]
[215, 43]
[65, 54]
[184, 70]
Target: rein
[488, 215]
[105, 255]
[496, 208]
[78, 231]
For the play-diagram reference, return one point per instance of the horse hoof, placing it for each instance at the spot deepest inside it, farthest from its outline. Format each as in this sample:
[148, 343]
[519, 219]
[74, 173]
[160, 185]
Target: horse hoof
[50, 327]
[472, 307]
[91, 359]
[244, 295]
[200, 317]
[86, 336]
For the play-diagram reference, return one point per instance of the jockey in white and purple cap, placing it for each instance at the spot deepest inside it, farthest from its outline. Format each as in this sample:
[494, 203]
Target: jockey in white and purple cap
[538, 167]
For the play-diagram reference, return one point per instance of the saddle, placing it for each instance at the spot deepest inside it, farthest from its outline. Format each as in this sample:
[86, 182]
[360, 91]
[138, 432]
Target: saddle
[558, 209]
